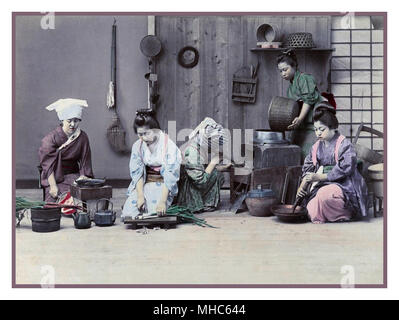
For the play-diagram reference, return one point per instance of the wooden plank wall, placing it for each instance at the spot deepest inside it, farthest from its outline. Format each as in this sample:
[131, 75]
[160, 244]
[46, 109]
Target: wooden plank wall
[224, 43]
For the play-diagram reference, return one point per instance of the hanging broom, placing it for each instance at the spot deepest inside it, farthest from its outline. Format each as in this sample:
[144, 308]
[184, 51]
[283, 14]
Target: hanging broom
[115, 133]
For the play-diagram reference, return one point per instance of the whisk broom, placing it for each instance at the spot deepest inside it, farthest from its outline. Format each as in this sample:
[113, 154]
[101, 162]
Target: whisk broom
[115, 133]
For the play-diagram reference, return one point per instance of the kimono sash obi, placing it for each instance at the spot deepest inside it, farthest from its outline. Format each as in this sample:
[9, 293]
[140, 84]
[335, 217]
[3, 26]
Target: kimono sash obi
[69, 167]
[154, 172]
[316, 147]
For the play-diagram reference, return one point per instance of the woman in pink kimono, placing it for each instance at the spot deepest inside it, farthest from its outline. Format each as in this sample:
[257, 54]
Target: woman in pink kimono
[65, 152]
[340, 192]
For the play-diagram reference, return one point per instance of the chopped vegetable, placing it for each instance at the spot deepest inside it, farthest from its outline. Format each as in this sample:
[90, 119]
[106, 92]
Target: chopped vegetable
[185, 215]
[22, 204]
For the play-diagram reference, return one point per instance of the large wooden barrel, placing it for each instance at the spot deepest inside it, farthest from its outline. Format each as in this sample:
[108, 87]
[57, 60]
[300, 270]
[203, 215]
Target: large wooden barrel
[45, 219]
[282, 111]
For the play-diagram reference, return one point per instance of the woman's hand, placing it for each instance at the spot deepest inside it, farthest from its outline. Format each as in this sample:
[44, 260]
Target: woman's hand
[295, 123]
[223, 167]
[315, 177]
[161, 208]
[301, 193]
[140, 202]
[215, 160]
[53, 191]
[212, 164]
[298, 120]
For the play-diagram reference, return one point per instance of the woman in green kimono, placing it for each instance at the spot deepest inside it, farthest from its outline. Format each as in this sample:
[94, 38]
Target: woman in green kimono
[200, 180]
[302, 88]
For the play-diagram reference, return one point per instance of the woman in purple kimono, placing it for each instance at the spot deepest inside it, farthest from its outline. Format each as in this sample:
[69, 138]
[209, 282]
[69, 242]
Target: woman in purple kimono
[339, 192]
[65, 152]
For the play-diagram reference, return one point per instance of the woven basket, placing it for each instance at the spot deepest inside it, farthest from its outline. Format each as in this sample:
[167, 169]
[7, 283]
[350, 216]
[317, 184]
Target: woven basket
[268, 33]
[300, 40]
[282, 111]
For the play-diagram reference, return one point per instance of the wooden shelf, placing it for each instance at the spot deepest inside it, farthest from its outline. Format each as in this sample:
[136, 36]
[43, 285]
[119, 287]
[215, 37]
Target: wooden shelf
[296, 49]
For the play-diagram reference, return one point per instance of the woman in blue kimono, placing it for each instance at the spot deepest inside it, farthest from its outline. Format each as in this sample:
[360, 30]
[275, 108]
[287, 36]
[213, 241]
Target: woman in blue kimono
[154, 169]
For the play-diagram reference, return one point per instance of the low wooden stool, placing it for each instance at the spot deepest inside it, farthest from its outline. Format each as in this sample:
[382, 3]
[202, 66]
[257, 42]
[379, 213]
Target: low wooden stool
[89, 197]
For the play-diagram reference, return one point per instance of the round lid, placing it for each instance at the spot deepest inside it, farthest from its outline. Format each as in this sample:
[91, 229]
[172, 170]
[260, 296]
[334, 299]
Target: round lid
[150, 46]
[379, 167]
[261, 193]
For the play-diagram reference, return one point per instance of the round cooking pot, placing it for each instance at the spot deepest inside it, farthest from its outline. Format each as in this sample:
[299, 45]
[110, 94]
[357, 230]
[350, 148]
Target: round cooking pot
[284, 213]
[259, 202]
[262, 136]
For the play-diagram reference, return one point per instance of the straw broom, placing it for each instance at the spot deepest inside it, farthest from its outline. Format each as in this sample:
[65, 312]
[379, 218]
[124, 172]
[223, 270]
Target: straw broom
[115, 133]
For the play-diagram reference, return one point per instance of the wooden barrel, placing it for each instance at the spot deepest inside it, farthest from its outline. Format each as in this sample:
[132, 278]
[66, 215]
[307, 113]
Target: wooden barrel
[45, 219]
[282, 111]
[376, 174]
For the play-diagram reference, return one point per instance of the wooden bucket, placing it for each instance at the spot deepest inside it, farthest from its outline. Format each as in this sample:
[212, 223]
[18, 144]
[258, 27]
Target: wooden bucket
[282, 111]
[45, 219]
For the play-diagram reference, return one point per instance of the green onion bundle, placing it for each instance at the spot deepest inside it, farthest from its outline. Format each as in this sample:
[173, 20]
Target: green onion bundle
[22, 204]
[185, 215]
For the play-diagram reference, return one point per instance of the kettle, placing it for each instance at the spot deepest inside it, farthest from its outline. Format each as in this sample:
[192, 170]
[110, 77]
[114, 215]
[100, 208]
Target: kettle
[81, 220]
[104, 217]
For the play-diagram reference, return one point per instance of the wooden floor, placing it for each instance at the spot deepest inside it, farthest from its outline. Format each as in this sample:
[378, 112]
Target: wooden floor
[241, 250]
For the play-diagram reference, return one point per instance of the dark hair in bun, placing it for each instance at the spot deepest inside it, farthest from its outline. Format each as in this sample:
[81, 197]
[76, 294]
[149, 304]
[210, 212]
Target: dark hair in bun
[326, 116]
[145, 118]
[288, 57]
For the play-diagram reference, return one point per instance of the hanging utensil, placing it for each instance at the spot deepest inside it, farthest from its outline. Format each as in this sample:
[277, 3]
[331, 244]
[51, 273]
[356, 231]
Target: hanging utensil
[115, 133]
[151, 47]
[255, 73]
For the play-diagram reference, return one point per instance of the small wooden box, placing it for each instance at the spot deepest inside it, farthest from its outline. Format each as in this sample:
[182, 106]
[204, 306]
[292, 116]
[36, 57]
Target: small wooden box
[92, 193]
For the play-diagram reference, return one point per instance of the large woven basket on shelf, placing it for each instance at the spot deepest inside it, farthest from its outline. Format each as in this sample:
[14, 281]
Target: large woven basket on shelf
[300, 40]
[282, 111]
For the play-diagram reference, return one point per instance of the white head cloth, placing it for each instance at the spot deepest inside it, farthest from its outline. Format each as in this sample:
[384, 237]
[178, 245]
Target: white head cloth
[210, 133]
[68, 108]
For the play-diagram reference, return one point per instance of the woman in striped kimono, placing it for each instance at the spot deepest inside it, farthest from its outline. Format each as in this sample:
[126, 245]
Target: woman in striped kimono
[200, 179]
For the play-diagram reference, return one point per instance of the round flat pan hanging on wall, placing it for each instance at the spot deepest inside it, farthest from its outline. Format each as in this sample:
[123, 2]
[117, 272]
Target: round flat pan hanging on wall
[150, 46]
[188, 57]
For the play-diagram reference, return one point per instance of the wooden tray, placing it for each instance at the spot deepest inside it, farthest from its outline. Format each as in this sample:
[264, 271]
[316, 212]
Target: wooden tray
[167, 222]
